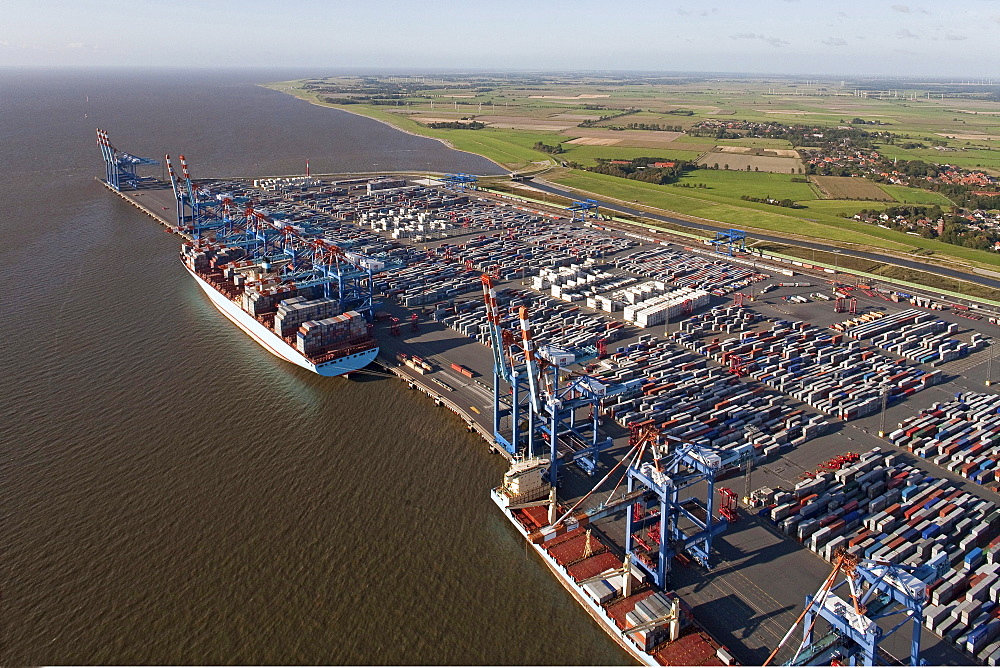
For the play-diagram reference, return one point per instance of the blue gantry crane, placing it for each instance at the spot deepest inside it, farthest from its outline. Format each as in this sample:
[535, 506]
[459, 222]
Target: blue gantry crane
[728, 239]
[507, 371]
[546, 405]
[660, 525]
[562, 410]
[186, 205]
[664, 523]
[460, 181]
[878, 591]
[582, 208]
[292, 252]
[120, 167]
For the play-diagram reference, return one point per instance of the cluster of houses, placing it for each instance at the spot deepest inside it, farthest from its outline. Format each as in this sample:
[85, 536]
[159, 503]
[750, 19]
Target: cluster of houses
[973, 220]
[846, 161]
[744, 128]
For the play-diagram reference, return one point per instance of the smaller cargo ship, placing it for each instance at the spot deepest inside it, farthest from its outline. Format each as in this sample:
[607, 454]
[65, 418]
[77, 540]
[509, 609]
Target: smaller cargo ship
[655, 627]
[294, 323]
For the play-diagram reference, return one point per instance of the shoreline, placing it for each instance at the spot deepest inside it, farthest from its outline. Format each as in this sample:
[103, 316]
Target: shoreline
[386, 365]
[415, 383]
[445, 142]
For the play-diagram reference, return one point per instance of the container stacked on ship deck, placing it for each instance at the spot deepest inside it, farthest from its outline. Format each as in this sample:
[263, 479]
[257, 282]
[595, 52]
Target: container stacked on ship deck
[315, 336]
[580, 555]
[881, 508]
[257, 300]
[292, 313]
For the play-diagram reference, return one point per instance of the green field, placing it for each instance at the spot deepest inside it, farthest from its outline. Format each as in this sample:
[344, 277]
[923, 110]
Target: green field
[833, 207]
[713, 207]
[587, 155]
[988, 159]
[908, 195]
[733, 184]
[802, 222]
[753, 142]
[510, 148]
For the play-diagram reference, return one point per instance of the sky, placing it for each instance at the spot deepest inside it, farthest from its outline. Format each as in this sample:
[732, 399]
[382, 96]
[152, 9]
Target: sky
[949, 38]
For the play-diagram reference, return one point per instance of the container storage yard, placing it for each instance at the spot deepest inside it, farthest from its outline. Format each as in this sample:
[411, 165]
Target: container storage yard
[607, 347]
[878, 508]
[961, 435]
[842, 379]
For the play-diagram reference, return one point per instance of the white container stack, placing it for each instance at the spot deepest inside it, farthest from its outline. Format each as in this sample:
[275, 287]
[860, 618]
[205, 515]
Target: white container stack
[671, 305]
[916, 335]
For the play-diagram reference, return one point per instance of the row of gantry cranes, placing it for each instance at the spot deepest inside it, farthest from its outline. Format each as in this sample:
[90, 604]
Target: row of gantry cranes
[539, 405]
[296, 256]
[545, 414]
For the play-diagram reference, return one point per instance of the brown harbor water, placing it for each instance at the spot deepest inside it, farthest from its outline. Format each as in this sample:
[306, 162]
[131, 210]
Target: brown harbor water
[172, 494]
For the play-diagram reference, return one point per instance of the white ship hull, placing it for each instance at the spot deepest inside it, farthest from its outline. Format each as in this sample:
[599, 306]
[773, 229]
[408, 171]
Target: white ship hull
[275, 344]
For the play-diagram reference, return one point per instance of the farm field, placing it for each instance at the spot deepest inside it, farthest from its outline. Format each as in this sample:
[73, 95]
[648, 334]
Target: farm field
[587, 154]
[837, 207]
[714, 207]
[743, 161]
[916, 196]
[846, 187]
[551, 108]
[802, 222]
[982, 158]
[734, 184]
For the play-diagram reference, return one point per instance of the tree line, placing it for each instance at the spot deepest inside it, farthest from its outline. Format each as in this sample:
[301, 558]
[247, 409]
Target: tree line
[457, 125]
[642, 169]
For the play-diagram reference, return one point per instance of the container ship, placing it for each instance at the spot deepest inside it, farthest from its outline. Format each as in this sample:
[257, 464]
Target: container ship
[657, 628]
[296, 323]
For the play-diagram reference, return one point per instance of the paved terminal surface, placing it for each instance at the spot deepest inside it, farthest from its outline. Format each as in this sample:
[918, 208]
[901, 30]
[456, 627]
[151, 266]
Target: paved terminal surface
[758, 586]
[760, 577]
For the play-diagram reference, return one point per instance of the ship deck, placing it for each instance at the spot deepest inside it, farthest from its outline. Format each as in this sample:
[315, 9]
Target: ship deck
[584, 554]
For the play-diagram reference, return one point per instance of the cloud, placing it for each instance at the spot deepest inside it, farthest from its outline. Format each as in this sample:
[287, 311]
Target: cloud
[904, 33]
[956, 38]
[75, 45]
[773, 41]
[835, 41]
[906, 9]
[702, 12]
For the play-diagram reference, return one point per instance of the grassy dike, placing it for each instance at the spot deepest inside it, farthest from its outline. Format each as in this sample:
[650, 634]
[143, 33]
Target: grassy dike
[508, 148]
